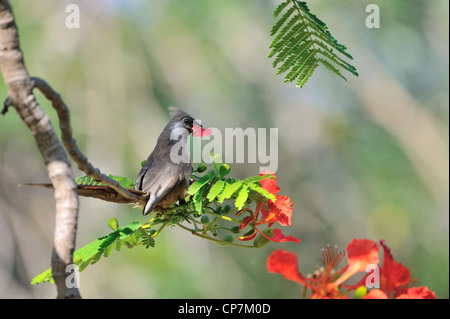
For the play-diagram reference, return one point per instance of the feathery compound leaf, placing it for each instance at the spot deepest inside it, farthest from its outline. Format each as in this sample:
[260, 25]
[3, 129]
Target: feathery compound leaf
[195, 186]
[215, 190]
[92, 252]
[280, 8]
[242, 196]
[229, 189]
[46, 276]
[300, 40]
[263, 192]
[123, 181]
[86, 180]
[281, 21]
[198, 201]
[258, 178]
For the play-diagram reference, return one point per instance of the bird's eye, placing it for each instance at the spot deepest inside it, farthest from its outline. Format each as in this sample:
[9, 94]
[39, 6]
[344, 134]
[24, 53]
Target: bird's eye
[188, 121]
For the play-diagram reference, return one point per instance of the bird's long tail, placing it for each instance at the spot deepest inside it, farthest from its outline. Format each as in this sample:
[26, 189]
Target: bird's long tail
[105, 193]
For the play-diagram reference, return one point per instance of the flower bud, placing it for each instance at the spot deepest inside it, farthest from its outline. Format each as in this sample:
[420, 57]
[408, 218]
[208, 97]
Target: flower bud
[113, 223]
[228, 238]
[225, 209]
[360, 292]
[224, 170]
[204, 219]
[260, 241]
[235, 229]
[201, 168]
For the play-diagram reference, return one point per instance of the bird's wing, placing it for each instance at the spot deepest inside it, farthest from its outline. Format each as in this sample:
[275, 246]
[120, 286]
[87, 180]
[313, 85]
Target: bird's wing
[140, 177]
[159, 180]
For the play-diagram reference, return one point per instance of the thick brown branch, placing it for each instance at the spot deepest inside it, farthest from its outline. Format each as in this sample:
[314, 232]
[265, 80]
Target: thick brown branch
[71, 145]
[21, 97]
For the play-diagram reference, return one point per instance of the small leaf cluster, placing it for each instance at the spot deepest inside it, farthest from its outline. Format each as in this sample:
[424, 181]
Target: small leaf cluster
[215, 187]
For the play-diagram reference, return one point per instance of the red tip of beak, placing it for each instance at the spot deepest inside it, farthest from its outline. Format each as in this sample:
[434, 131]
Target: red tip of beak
[200, 131]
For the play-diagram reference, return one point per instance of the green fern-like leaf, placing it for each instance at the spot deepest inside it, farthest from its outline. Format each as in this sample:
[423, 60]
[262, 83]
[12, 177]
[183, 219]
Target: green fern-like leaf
[302, 42]
[258, 178]
[125, 182]
[198, 184]
[263, 194]
[229, 189]
[242, 196]
[216, 190]
[198, 201]
[210, 188]
[130, 236]
[147, 237]
[46, 276]
[86, 180]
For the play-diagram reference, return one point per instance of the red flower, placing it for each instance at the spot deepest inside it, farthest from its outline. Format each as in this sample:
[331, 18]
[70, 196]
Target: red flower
[200, 131]
[394, 280]
[328, 282]
[279, 211]
[285, 263]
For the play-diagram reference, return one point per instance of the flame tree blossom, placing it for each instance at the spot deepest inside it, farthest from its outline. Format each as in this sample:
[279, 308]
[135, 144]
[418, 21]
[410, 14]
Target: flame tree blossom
[327, 282]
[271, 212]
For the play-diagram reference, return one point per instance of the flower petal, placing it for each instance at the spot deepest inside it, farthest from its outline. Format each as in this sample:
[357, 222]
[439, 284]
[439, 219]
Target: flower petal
[245, 222]
[418, 293]
[269, 184]
[248, 235]
[282, 208]
[361, 253]
[285, 263]
[279, 237]
[393, 274]
[375, 294]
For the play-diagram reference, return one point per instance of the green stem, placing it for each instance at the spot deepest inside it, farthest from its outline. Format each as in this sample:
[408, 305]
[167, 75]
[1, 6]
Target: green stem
[212, 223]
[160, 229]
[169, 210]
[306, 27]
[194, 222]
[226, 217]
[195, 233]
[214, 165]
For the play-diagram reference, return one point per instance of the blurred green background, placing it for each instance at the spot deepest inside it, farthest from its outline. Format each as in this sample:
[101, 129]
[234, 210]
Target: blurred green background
[363, 159]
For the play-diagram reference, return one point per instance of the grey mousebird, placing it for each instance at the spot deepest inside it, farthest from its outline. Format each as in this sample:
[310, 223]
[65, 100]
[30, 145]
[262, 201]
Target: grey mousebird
[164, 178]
[165, 174]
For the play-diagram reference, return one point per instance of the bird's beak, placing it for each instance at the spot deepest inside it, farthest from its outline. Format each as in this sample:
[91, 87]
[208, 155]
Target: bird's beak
[198, 124]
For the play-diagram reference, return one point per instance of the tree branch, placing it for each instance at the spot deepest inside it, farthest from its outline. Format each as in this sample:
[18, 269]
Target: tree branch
[71, 145]
[58, 167]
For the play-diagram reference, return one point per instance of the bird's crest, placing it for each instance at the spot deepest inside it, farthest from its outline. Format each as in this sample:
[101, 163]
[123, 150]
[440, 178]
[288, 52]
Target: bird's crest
[176, 114]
